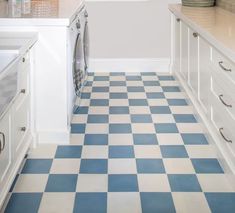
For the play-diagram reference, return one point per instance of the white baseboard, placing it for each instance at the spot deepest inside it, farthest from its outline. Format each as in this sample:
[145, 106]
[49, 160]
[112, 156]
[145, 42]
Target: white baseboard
[130, 65]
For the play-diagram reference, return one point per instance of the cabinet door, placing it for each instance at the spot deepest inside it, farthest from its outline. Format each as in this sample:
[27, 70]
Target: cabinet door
[5, 157]
[176, 50]
[20, 126]
[184, 50]
[204, 74]
[193, 61]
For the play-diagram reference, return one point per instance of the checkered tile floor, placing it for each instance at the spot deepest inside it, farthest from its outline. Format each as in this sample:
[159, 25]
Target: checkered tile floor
[136, 146]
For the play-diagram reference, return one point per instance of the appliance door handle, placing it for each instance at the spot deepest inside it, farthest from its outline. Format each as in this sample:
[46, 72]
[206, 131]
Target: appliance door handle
[223, 102]
[223, 67]
[3, 143]
[223, 136]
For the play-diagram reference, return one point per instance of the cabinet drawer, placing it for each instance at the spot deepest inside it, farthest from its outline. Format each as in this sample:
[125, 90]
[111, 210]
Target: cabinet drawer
[20, 128]
[224, 65]
[225, 94]
[225, 126]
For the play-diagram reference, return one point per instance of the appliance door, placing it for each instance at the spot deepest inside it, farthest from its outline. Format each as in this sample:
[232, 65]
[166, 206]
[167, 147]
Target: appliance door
[86, 47]
[77, 65]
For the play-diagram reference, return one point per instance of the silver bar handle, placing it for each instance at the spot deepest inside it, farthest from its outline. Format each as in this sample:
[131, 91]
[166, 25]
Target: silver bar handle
[222, 134]
[2, 146]
[223, 102]
[224, 68]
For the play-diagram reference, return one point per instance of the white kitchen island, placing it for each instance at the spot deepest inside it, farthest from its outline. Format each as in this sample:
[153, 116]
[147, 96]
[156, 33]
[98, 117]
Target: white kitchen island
[53, 95]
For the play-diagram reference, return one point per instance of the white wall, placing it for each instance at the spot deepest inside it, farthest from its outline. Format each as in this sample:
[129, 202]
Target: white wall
[129, 29]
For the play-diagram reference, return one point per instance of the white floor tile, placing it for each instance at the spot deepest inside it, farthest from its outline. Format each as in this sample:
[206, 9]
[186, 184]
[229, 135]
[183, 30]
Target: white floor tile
[153, 183]
[92, 183]
[124, 202]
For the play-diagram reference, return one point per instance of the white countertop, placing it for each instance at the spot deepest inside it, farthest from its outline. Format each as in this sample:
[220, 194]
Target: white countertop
[213, 23]
[40, 12]
[17, 42]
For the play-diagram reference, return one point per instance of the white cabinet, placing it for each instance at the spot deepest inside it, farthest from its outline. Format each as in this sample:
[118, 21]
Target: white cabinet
[193, 61]
[15, 129]
[184, 50]
[5, 154]
[204, 75]
[208, 77]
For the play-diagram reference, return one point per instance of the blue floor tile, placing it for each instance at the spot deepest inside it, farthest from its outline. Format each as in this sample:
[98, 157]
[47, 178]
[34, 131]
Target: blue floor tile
[119, 128]
[150, 166]
[160, 110]
[119, 110]
[155, 95]
[99, 102]
[154, 202]
[138, 102]
[171, 89]
[88, 83]
[100, 89]
[96, 139]
[61, 183]
[133, 78]
[194, 139]
[166, 128]
[173, 151]
[94, 166]
[148, 73]
[24, 203]
[98, 119]
[221, 202]
[81, 110]
[70, 151]
[145, 139]
[121, 152]
[151, 83]
[117, 83]
[117, 74]
[37, 166]
[184, 118]
[184, 183]
[177, 102]
[141, 118]
[122, 183]
[90, 203]
[78, 128]
[85, 95]
[101, 78]
[206, 166]
[166, 78]
[118, 95]
[135, 89]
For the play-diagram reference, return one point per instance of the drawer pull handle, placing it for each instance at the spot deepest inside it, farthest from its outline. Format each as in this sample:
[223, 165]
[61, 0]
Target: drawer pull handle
[222, 134]
[223, 102]
[3, 143]
[178, 20]
[224, 68]
[23, 59]
[195, 35]
[23, 91]
[23, 129]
